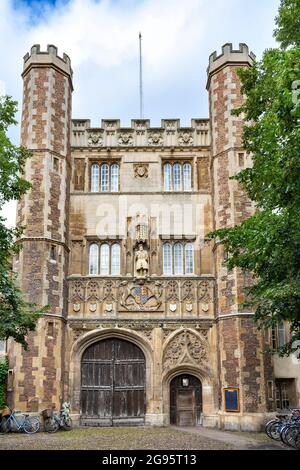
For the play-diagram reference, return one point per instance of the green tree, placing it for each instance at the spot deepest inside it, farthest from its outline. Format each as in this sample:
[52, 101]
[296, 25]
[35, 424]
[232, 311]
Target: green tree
[17, 317]
[268, 243]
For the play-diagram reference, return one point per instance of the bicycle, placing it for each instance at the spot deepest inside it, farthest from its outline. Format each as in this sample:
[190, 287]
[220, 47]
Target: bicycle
[53, 422]
[286, 427]
[20, 422]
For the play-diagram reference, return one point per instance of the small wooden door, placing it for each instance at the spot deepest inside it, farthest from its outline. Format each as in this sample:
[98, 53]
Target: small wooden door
[112, 384]
[185, 401]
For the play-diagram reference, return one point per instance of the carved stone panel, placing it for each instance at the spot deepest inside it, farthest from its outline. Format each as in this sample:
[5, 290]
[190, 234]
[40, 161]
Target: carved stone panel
[95, 139]
[77, 291]
[141, 170]
[155, 138]
[173, 291]
[125, 138]
[93, 290]
[185, 138]
[140, 296]
[188, 291]
[204, 291]
[79, 171]
[185, 347]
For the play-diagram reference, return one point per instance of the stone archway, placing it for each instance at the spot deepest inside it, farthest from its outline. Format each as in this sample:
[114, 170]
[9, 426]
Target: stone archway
[92, 337]
[185, 400]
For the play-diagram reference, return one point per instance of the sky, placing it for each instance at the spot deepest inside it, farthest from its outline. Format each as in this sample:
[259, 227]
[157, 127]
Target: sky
[101, 38]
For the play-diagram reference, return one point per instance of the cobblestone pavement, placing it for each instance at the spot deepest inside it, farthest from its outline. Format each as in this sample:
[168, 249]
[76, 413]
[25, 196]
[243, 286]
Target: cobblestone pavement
[238, 440]
[169, 438]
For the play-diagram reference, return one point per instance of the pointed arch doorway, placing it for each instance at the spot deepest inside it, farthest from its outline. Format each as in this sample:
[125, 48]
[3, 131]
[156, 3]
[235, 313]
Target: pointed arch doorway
[185, 400]
[113, 384]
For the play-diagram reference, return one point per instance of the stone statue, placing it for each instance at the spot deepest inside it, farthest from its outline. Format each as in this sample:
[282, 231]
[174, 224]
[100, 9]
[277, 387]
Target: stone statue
[142, 261]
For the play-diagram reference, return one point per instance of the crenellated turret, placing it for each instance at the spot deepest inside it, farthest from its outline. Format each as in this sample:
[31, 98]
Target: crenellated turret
[43, 260]
[240, 342]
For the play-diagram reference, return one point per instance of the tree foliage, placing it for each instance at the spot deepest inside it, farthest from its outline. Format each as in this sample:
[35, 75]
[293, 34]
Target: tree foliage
[268, 243]
[17, 317]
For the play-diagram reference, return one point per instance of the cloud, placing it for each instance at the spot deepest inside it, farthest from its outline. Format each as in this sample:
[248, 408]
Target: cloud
[101, 37]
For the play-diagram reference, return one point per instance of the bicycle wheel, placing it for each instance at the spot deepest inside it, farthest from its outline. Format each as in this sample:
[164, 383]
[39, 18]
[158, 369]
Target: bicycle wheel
[5, 425]
[283, 433]
[67, 426]
[31, 424]
[297, 440]
[275, 430]
[51, 425]
[291, 435]
[269, 425]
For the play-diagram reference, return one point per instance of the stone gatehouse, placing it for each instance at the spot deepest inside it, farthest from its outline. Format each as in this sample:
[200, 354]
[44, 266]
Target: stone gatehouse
[145, 324]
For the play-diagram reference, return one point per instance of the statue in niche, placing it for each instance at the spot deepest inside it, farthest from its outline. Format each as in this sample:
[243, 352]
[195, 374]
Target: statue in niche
[142, 261]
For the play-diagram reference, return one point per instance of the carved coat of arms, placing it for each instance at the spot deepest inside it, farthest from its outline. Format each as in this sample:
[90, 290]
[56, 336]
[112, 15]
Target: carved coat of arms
[140, 297]
[141, 294]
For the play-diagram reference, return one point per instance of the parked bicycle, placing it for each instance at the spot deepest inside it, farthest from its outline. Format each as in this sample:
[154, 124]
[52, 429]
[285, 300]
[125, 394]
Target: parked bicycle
[17, 421]
[53, 421]
[285, 428]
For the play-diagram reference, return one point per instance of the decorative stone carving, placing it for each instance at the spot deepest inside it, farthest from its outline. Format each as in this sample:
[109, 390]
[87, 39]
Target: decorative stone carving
[155, 139]
[108, 291]
[189, 307]
[172, 291]
[170, 125]
[139, 297]
[141, 170]
[204, 291]
[125, 138]
[76, 307]
[185, 347]
[188, 293]
[95, 139]
[141, 261]
[140, 228]
[79, 170]
[93, 307]
[77, 291]
[92, 290]
[205, 307]
[185, 138]
[173, 307]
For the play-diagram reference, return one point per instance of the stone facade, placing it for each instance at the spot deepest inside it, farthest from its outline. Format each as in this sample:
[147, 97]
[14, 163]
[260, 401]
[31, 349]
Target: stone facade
[108, 187]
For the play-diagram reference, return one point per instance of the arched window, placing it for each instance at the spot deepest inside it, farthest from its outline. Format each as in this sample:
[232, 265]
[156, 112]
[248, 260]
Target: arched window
[115, 259]
[189, 258]
[104, 259]
[167, 177]
[167, 258]
[114, 178]
[187, 177]
[95, 178]
[104, 177]
[93, 259]
[178, 258]
[177, 177]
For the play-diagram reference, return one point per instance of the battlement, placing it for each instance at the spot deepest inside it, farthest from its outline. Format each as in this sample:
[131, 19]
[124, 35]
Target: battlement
[231, 56]
[46, 58]
[140, 134]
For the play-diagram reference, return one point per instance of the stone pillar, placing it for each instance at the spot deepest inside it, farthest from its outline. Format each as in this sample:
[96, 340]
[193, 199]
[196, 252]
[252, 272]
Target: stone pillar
[43, 261]
[241, 346]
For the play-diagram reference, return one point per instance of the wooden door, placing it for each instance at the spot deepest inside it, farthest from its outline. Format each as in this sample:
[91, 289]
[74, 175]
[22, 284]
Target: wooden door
[112, 384]
[185, 401]
[186, 407]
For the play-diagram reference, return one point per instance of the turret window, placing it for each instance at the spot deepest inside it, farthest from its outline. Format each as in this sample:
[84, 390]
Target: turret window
[177, 176]
[104, 259]
[104, 177]
[178, 258]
